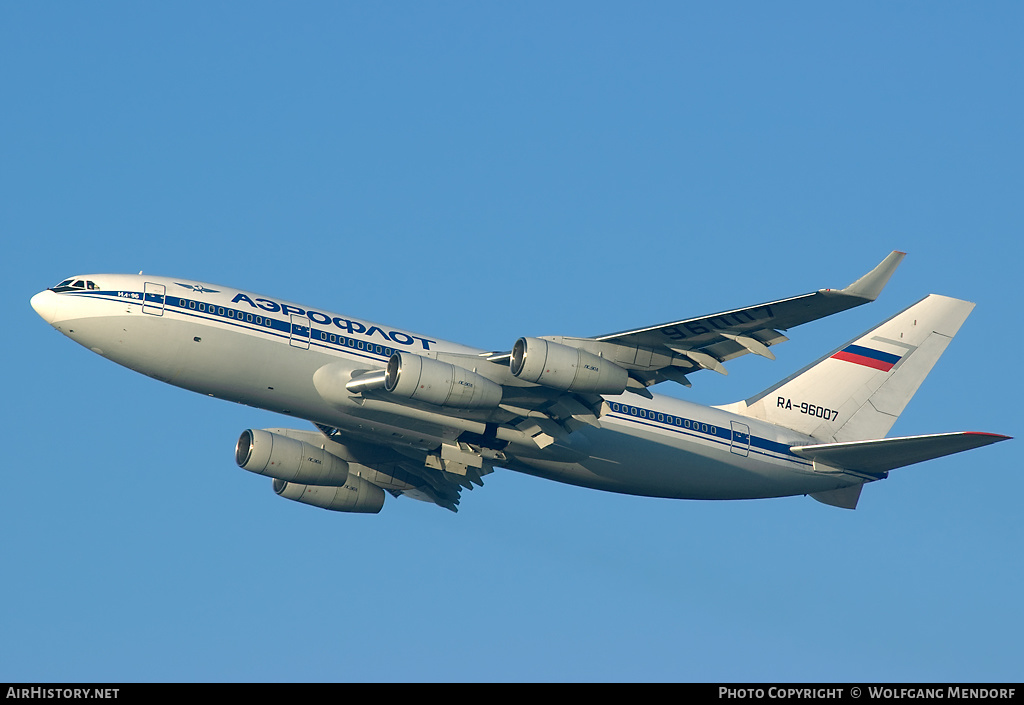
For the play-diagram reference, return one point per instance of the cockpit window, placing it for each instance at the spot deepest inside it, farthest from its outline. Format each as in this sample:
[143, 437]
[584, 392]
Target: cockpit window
[76, 285]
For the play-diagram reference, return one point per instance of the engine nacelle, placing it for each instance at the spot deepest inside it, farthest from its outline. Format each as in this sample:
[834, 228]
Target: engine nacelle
[566, 368]
[356, 495]
[288, 459]
[434, 382]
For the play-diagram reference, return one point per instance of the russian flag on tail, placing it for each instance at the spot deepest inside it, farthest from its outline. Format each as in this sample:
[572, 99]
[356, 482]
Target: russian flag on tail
[876, 359]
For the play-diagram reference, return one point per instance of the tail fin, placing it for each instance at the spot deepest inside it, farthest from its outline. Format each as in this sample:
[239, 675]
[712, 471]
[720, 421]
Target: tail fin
[859, 390]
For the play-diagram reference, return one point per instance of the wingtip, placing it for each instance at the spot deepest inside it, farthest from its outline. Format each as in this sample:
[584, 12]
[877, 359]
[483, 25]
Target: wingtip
[992, 437]
[871, 284]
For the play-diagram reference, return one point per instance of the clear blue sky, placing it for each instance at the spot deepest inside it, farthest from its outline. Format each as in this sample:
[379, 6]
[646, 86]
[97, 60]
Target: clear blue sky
[483, 171]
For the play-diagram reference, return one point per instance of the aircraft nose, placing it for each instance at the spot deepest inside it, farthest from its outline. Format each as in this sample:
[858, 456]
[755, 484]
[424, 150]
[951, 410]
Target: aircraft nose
[45, 304]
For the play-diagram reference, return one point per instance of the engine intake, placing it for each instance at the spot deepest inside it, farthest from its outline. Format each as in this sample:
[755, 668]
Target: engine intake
[563, 367]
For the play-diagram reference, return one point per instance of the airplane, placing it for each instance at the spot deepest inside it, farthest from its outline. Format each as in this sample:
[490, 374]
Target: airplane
[405, 414]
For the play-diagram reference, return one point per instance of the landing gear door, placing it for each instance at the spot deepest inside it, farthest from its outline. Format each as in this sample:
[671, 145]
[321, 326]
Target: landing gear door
[153, 299]
[299, 336]
[740, 439]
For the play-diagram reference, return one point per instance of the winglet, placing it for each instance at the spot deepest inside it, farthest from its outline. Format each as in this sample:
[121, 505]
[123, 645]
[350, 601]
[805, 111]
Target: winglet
[871, 284]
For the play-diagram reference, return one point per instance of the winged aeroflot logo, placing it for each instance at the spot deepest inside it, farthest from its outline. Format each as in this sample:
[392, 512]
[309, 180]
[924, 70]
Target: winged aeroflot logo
[200, 289]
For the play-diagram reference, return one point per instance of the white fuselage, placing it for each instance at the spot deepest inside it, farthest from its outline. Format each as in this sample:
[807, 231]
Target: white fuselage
[265, 352]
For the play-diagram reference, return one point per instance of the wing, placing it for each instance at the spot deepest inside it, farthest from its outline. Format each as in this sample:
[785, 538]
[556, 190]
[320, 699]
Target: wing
[671, 351]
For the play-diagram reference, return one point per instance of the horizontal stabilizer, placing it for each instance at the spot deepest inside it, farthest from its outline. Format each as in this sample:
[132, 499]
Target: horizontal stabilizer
[876, 457]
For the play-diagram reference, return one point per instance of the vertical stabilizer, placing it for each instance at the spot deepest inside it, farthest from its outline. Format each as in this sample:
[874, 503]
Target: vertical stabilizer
[859, 390]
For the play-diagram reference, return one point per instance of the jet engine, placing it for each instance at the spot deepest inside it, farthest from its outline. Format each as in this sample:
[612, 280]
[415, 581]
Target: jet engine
[283, 458]
[444, 384]
[566, 368]
[306, 473]
[356, 495]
